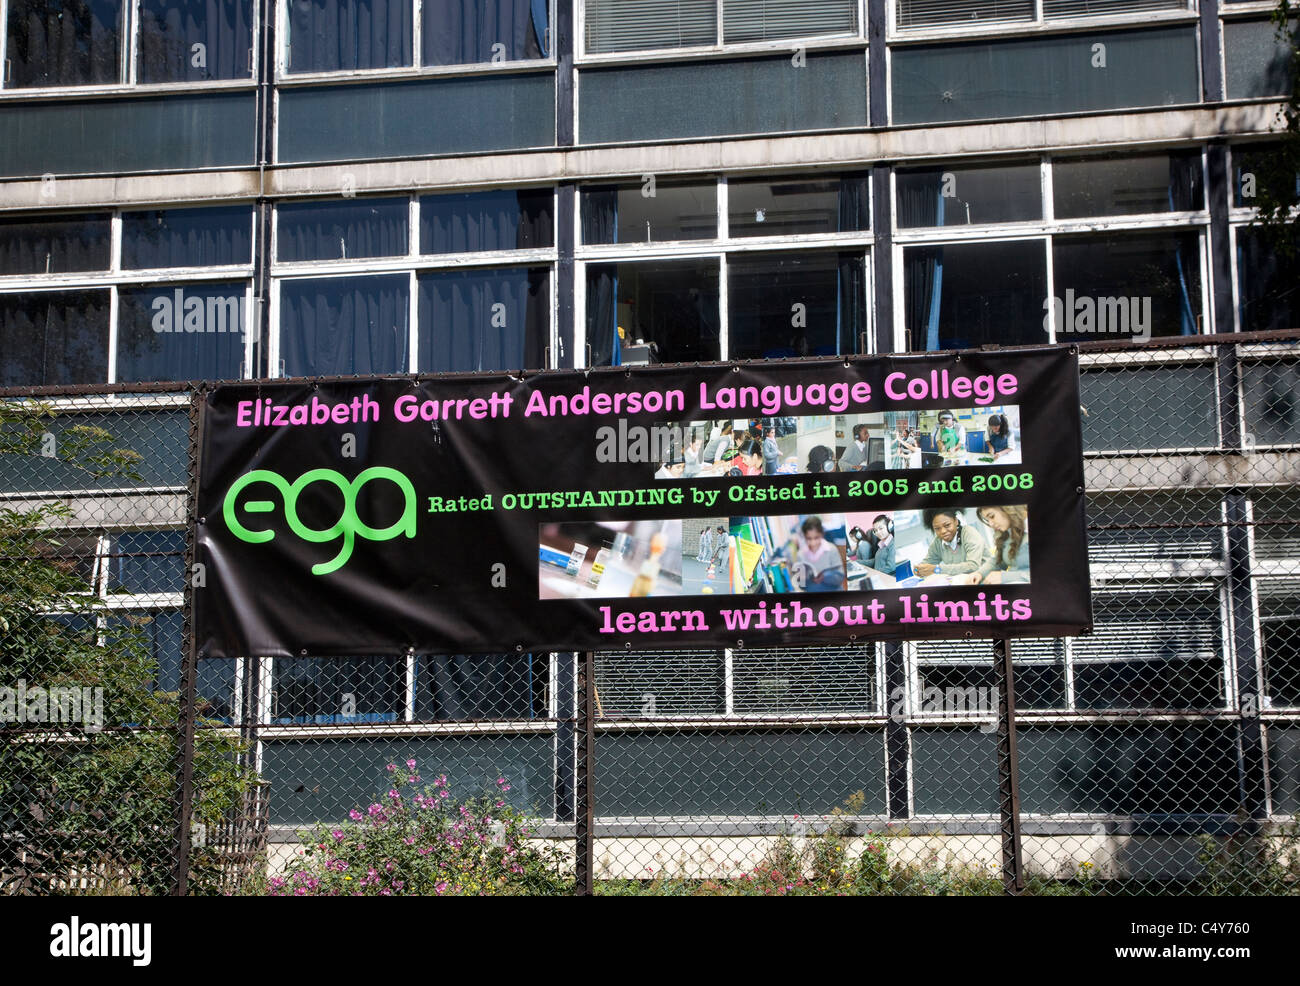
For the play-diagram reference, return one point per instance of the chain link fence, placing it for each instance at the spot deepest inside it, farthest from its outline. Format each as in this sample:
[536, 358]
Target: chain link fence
[1159, 754]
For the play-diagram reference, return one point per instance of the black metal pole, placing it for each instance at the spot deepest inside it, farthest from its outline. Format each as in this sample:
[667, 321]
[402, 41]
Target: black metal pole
[189, 659]
[586, 756]
[1013, 875]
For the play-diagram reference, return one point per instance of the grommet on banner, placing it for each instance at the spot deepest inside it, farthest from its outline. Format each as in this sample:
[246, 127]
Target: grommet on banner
[519, 647]
[303, 652]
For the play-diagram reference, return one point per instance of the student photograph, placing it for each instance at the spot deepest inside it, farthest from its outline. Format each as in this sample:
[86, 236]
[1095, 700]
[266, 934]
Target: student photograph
[771, 452]
[1009, 560]
[904, 446]
[673, 467]
[821, 459]
[998, 437]
[874, 548]
[749, 458]
[957, 551]
[855, 455]
[820, 561]
[949, 435]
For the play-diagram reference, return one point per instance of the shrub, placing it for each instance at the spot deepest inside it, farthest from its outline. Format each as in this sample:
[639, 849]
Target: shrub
[421, 841]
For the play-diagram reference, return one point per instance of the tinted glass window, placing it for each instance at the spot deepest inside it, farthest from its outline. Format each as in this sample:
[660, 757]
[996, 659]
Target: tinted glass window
[54, 245]
[501, 220]
[800, 304]
[345, 325]
[1119, 186]
[181, 332]
[1268, 282]
[485, 31]
[651, 212]
[194, 40]
[341, 230]
[656, 312]
[187, 238]
[966, 295]
[1127, 285]
[340, 35]
[958, 196]
[484, 319]
[54, 337]
[63, 42]
[807, 205]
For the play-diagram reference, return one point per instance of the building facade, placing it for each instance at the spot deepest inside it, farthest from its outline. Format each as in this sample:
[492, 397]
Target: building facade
[240, 189]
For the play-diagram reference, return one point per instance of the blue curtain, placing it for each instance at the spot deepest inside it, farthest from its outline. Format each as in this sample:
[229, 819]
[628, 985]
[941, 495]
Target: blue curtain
[344, 325]
[53, 337]
[208, 237]
[477, 221]
[338, 35]
[64, 42]
[341, 230]
[169, 29]
[216, 353]
[464, 32]
[922, 205]
[40, 245]
[482, 320]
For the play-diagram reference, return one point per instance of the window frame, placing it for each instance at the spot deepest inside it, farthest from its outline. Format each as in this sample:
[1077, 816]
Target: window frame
[720, 248]
[127, 82]
[1040, 24]
[285, 77]
[582, 57]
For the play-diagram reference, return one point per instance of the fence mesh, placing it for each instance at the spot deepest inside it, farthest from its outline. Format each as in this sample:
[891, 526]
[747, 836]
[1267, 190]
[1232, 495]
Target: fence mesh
[1159, 754]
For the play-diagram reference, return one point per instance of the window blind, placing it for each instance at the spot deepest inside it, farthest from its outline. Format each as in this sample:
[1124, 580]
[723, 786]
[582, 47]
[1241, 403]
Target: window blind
[1096, 8]
[631, 25]
[954, 13]
[766, 20]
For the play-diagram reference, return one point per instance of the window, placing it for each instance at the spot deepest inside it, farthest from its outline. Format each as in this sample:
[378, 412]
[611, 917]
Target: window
[653, 312]
[637, 25]
[352, 35]
[964, 195]
[182, 332]
[1117, 186]
[454, 687]
[54, 337]
[1268, 282]
[654, 684]
[333, 690]
[341, 230]
[217, 236]
[918, 14]
[1152, 650]
[80, 42]
[966, 295]
[801, 304]
[54, 245]
[474, 222]
[783, 207]
[59, 319]
[195, 40]
[1279, 625]
[652, 212]
[1041, 75]
[1127, 284]
[476, 320]
[345, 325]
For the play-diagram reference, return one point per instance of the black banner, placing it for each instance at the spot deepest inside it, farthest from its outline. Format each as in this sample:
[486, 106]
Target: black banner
[629, 508]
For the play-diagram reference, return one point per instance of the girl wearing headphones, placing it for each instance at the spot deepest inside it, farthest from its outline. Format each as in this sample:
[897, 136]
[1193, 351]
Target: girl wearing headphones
[876, 549]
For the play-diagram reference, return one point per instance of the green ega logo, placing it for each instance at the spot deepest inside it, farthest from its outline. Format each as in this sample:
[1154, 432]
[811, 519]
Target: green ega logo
[349, 526]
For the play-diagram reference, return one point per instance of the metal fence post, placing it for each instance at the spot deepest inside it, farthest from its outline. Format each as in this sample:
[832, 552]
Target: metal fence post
[586, 754]
[189, 658]
[1013, 876]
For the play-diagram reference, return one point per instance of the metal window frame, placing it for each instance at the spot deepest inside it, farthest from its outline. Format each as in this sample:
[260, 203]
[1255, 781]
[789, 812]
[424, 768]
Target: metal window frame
[127, 83]
[286, 77]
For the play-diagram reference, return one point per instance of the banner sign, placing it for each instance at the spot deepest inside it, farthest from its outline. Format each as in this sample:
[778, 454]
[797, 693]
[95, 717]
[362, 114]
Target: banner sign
[630, 508]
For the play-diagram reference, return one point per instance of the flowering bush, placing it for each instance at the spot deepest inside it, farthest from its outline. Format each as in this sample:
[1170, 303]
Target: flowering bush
[416, 840]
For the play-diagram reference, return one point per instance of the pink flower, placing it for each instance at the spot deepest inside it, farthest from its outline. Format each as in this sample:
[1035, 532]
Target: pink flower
[338, 835]
[391, 766]
[439, 888]
[411, 764]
